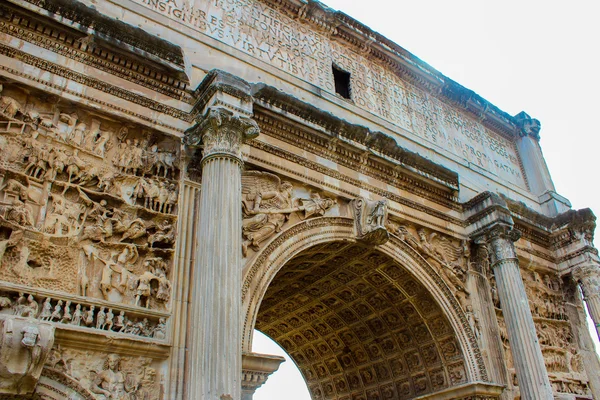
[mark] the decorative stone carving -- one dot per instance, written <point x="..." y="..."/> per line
<point x="369" y="220"/>
<point x="452" y="258"/>
<point x="98" y="317"/>
<point x="267" y="204"/>
<point x="222" y="132"/>
<point x="527" y="356"/>
<point x="108" y="376"/>
<point x="24" y="346"/>
<point x="589" y="278"/>
<point x="528" y="126"/>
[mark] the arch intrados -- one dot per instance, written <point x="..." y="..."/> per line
<point x="303" y="235"/>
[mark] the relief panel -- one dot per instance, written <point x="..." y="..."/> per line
<point x="88" y="211"/>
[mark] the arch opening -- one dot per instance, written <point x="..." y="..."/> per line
<point x="360" y="325"/>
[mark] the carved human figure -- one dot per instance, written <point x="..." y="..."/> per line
<point x="109" y="320"/>
<point x="19" y="213"/>
<point x="137" y="157"/>
<point x="78" y="135"/>
<point x="20" y="303"/>
<point x="376" y="218"/>
<point x="121" y="322"/>
<point x="31" y="336"/>
<point x="75" y="167"/>
<point x="88" y="318"/>
<point x="67" y="316"/>
<point x="46" y="313"/>
<point x="135" y="230"/>
<point x="103" y="228"/>
<point x="56" y="314"/>
<point x="110" y="266"/>
<point x="30" y="310"/>
<point x="101" y="319"/>
<point x="66" y="125"/>
<point x="160" y="330"/>
<point x="126" y="158"/>
<point x="473" y="321"/>
<point x="144" y="287"/>
<point x="263" y="205"/>
<point x="101" y="143"/>
<point x="9" y="106"/>
<point x="165" y="233"/>
<point x="111" y="382"/>
<point x="125" y="262"/>
<point x="77" y="315"/>
<point x="164" y="287"/>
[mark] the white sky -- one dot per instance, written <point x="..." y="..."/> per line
<point x="536" y="56"/>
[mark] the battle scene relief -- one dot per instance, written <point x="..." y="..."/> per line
<point x="88" y="209"/>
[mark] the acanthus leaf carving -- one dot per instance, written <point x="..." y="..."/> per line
<point x="221" y="132"/>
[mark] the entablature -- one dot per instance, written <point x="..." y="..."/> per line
<point x="83" y="34"/>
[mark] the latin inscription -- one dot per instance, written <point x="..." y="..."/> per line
<point x="295" y="48"/>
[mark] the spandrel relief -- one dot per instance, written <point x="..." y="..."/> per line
<point x="268" y="203"/>
<point x="449" y="255"/>
<point x="108" y="376"/>
<point x="88" y="204"/>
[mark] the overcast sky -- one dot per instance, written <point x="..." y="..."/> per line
<point x="535" y="56"/>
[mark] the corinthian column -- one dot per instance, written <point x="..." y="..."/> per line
<point x="588" y="277"/>
<point x="215" y="352"/>
<point x="527" y="354"/>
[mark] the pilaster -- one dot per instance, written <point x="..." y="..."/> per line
<point x="493" y="227"/>
<point x="214" y="365"/>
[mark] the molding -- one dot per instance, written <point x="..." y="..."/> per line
<point x="89" y="21"/>
<point x="47" y="34"/>
<point x="404" y="177"/>
<point x="92" y="83"/>
<point x="344" y="178"/>
<point x="374" y="141"/>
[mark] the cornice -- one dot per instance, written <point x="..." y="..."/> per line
<point x="89" y="81"/>
<point x="339" y="128"/>
<point x="61" y="38"/>
<point x="355" y="159"/>
<point x="91" y="22"/>
<point x="305" y="163"/>
<point x="341" y="27"/>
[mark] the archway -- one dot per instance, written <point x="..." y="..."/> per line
<point x="360" y="322"/>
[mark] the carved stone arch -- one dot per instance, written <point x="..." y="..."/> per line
<point x="262" y="270"/>
<point x="55" y="384"/>
<point x="400" y="251"/>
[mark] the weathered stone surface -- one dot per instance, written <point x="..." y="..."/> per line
<point x="147" y="228"/>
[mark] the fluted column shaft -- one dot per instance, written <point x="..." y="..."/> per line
<point x="588" y="277"/>
<point x="527" y="354"/>
<point x="215" y="352"/>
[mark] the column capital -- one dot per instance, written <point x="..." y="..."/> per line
<point x="588" y="276"/>
<point x="221" y="132"/>
<point x="499" y="239"/>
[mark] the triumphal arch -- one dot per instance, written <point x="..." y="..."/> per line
<point x="175" y="174"/>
